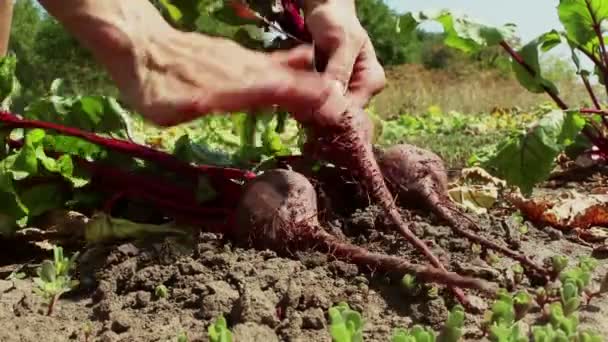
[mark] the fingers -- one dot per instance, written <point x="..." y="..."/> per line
<point x="294" y="90"/>
<point x="340" y="62"/>
<point x="369" y="78"/>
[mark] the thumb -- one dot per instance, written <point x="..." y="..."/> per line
<point x="340" y="65"/>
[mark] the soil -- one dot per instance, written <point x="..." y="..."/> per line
<point x="264" y="296"/>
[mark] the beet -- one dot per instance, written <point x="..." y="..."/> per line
<point x="418" y="176"/>
<point x="279" y="212"/>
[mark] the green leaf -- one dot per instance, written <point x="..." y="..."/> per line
<point x="579" y="18"/>
<point x="47" y="271"/>
<point x="10" y="87"/>
<point x="530" y="54"/>
<point x="422" y="335"/>
<point x="41" y="198"/>
<point x="100" y="114"/>
<point x="528" y="158"/>
<point x="346" y="325"/>
<point x="174" y="12"/>
<point x="218" y="331"/>
<point x="461" y="31"/>
<point x="26" y="163"/>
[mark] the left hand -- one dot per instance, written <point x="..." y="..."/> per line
<point x="351" y="58"/>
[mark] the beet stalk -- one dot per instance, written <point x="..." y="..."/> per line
<point x="135" y="150"/>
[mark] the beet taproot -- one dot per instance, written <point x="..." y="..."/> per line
<point x="279" y="211"/>
<point x="338" y="135"/>
<point x="419" y="176"/>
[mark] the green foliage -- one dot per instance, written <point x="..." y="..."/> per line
<point x="182" y="337"/>
<point x="559" y="263"/>
<point x="461" y="32"/>
<point x="23" y="203"/>
<point x="451" y="331"/>
<point x="9" y="85"/>
<point x="391" y="47"/>
<point x="415" y="334"/>
<point x="161" y="291"/>
<point x="345" y="324"/>
<point x="218" y="331"/>
<point x="530" y="53"/>
<point x="580" y="17"/>
<point x="528" y="157"/>
<point x="54" y="277"/>
<point x="409" y="284"/>
<point x="47" y="51"/>
<point x="562" y="316"/>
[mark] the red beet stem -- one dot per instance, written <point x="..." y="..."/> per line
<point x="163" y="194"/>
<point x="135" y="150"/>
<point x="293" y="21"/>
<point x="136" y="186"/>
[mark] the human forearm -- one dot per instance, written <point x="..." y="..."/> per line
<point x="118" y="33"/>
<point x="6" y="15"/>
<point x="310" y="5"/>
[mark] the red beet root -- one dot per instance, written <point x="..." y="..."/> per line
<point x="279" y="212"/>
<point x="416" y="175"/>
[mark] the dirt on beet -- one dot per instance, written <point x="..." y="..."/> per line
<point x="264" y="296"/>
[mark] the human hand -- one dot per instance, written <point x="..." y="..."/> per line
<point x="191" y="75"/>
<point x="351" y="59"/>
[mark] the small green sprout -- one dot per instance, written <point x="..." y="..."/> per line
<point x="501" y="323"/>
<point x="346" y="325"/>
<point x="416" y="334"/>
<point x="518" y="273"/>
<point x="218" y="331"/>
<point x="409" y="284"/>
<point x="559" y="263"/>
<point x="506" y="333"/>
<point x="522" y="303"/>
<point x="88" y="330"/>
<point x="588" y="264"/>
<point x="559" y="320"/>
<point x="452" y="330"/>
<point x="547" y="333"/>
<point x="182" y="337"/>
<point x="523" y="229"/>
<point x="54" y="278"/>
<point x="541" y="296"/>
<point x="492" y="258"/>
<point x="570" y="299"/>
<point x="433" y="292"/>
<point x="161" y="291"/>
<point x="502" y="310"/>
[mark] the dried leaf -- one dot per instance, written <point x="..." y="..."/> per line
<point x="571" y="210"/>
<point x="476" y="190"/>
<point x="478" y="199"/>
